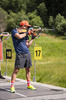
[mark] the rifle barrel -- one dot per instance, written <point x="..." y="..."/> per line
<point x="48" y="29"/>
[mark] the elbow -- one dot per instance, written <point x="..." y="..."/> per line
<point x="19" y="37"/>
<point x="27" y="44"/>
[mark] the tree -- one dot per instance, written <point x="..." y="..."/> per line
<point x="31" y="5"/>
<point x="51" y="21"/>
<point x="13" y="5"/>
<point x="56" y="6"/>
<point x="42" y="12"/>
<point x="60" y="24"/>
<point x="3" y="17"/>
<point x="14" y="19"/>
<point x="34" y="19"/>
<point x="64" y="27"/>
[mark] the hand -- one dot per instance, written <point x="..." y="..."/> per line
<point x="33" y="36"/>
<point x="22" y="30"/>
<point x="30" y="32"/>
<point x="39" y="29"/>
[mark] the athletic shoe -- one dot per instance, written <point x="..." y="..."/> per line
<point x="2" y="77"/>
<point x="31" y="87"/>
<point x="13" y="90"/>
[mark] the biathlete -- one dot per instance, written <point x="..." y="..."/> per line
<point x="23" y="56"/>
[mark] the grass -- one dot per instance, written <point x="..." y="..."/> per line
<point x="51" y="69"/>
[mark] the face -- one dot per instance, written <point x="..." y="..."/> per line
<point x="24" y="27"/>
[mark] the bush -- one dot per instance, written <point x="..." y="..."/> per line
<point x="59" y="24"/>
<point x="11" y="21"/>
<point x="51" y="21"/>
<point x="14" y="19"/>
<point x="34" y="19"/>
<point x="63" y="25"/>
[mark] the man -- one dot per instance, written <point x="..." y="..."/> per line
<point x="23" y="57"/>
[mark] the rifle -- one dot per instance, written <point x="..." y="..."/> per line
<point x="39" y="30"/>
<point x="34" y="31"/>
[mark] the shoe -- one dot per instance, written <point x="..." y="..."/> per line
<point x="13" y="90"/>
<point x="31" y="87"/>
<point x="2" y="77"/>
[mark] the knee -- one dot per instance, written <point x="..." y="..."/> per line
<point x="16" y="71"/>
<point x="28" y="69"/>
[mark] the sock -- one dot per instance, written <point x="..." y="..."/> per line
<point x="12" y="84"/>
<point x="28" y="82"/>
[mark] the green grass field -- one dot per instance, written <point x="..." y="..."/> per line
<point x="51" y="69"/>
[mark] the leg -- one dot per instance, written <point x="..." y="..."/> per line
<point x="0" y="73"/>
<point x="29" y="86"/>
<point x="28" y="73"/>
<point x="28" y="76"/>
<point x="13" y="78"/>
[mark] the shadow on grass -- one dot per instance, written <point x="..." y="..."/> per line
<point x="64" y="38"/>
<point x="54" y="34"/>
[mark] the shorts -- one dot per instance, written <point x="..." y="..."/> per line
<point x="23" y="60"/>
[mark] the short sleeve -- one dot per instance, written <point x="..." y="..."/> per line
<point x="14" y="31"/>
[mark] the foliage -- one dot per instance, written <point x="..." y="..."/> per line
<point x="13" y="5"/>
<point x="64" y="27"/>
<point x="42" y="12"/>
<point x="37" y="21"/>
<point x="51" y="21"/>
<point x="11" y="21"/>
<point x="22" y="9"/>
<point x="31" y="5"/>
<point x="60" y="24"/>
<point x="14" y="19"/>
<point x="3" y="17"/>
<point x="56" y="6"/>
<point x="32" y="15"/>
<point x="34" y="19"/>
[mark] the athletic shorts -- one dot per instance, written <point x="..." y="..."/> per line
<point x="23" y="60"/>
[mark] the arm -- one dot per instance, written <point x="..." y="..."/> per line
<point x="28" y="43"/>
<point x="20" y="36"/>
